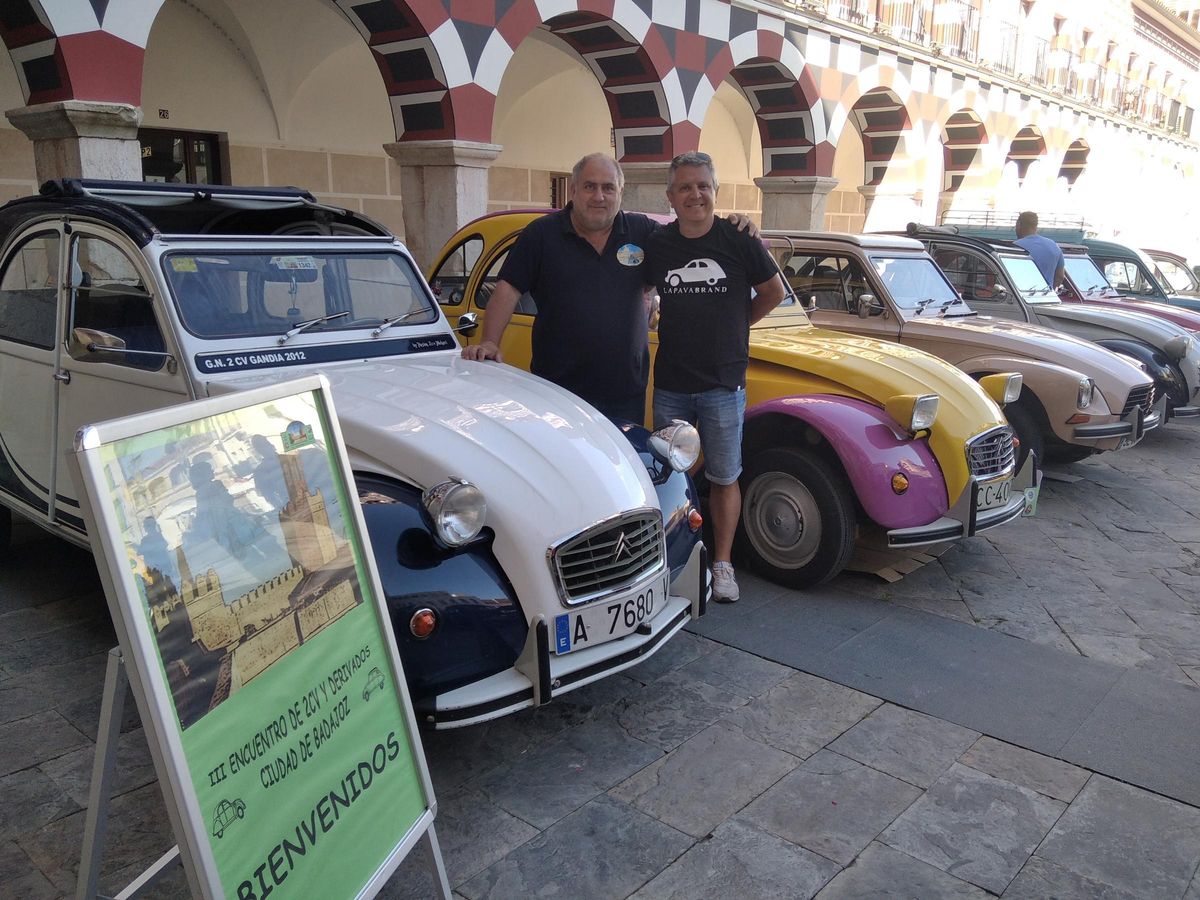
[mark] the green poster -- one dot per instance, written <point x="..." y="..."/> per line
<point x="243" y="545"/>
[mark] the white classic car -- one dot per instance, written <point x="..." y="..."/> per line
<point x="527" y="546"/>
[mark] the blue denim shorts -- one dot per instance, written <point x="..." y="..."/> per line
<point x="717" y="415"/>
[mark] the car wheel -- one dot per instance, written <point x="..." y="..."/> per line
<point x="1029" y="432"/>
<point x="798" y="520"/>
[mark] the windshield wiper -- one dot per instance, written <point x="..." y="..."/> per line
<point x="388" y="323"/>
<point x="949" y="303"/>
<point x="296" y="329"/>
<point x="921" y="304"/>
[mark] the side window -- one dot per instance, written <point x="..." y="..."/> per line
<point x="450" y="280"/>
<point x="1120" y="275"/>
<point x="817" y="281"/>
<point x="526" y="305"/>
<point x="109" y="297"/>
<point x="29" y="292"/>
<point x="976" y="278"/>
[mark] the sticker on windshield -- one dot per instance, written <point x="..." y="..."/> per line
<point x="293" y="262"/>
<point x="630" y="255"/>
<point x="183" y="264"/>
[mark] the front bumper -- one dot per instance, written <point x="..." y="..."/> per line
<point x="964" y="520"/>
<point x="539" y="675"/>
<point x="1126" y="431"/>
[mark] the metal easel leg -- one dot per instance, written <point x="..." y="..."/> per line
<point x="112" y="707"/>
<point x="437" y="867"/>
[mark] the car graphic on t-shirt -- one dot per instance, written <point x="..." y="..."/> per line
<point x="705" y="270"/>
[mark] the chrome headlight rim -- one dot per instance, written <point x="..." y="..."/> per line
<point x="1086" y="393"/>
<point x="677" y="445"/>
<point x="1012" y="388"/>
<point x="1179" y="346"/>
<point x="924" y="412"/>
<point x="457" y="510"/>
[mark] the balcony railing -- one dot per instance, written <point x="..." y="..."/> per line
<point x="858" y="12"/>
<point x="1041" y="53"/>
<point x="908" y="21"/>
<point x="1005" y="48"/>
<point x="956" y="28"/>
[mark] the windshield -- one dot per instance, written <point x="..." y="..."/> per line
<point x="1087" y="276"/>
<point x="918" y="286"/>
<point x="268" y="293"/>
<point x="1028" y="279"/>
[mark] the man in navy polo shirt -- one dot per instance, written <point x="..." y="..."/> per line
<point x="583" y="266"/>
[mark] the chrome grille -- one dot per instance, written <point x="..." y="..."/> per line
<point x="991" y="453"/>
<point x="608" y="557"/>
<point x="1139" y="396"/>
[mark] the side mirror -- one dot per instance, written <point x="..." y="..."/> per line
<point x="811" y="306"/>
<point x="868" y="305"/>
<point x="468" y="323"/>
<point x="1000" y="292"/>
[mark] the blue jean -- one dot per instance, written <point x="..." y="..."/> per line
<point x="717" y="415"/>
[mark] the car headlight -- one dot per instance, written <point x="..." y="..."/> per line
<point x="678" y="445"/>
<point x="1179" y="346"/>
<point x="457" y="509"/>
<point x="1004" y="387"/>
<point x="916" y="412"/>
<point x="1087" y="390"/>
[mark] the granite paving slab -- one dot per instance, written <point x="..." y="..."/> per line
<point x="680" y="650"/>
<point x="20" y="878"/>
<point x="606" y="849"/>
<point x="133" y="768"/>
<point x="35" y="621"/>
<point x="475" y="833"/>
<point x="668" y="711"/>
<point x="63" y="644"/>
<point x="1043" y="774"/>
<point x="909" y="745"/>
<point x="735" y="670"/>
<point x="802" y="714"/>
<point x="1040" y="879"/>
<point x="740" y="860"/>
<point x="705" y="780"/>
<point x="980" y="828"/>
<point x="26" y="581"/>
<point x="1179" y="633"/>
<point x="1127" y="838"/>
<point x="31" y="799"/>
<point x="18" y="699"/>
<point x="35" y="739"/>
<point x="1131" y="652"/>
<point x="831" y="805"/>
<point x="1145" y="731"/>
<point x="555" y="779"/>
<point x="882" y="873"/>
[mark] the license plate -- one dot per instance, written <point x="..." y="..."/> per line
<point x="607" y="620"/>
<point x="993" y="494"/>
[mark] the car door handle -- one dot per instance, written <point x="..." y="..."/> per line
<point x="64" y="377"/>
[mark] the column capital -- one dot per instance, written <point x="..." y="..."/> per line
<point x="472" y="154"/>
<point x="815" y="185"/>
<point x="652" y="173"/>
<point x="76" y="119"/>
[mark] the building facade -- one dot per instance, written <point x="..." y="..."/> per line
<point x="842" y="114"/>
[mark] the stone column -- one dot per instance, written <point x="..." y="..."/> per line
<point x="443" y="186"/>
<point x="795" y="202"/>
<point x="82" y="139"/>
<point x="646" y="188"/>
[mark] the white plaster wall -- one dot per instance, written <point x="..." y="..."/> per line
<point x="730" y="136"/>
<point x="341" y="105"/>
<point x="550" y="110"/>
<point x="849" y="161"/>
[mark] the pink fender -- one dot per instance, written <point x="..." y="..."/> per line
<point x="871" y="447"/>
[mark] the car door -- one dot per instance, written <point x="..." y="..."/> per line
<point x="29" y="278"/>
<point x="831" y="285"/>
<point x="980" y="281"/>
<point x="111" y="302"/>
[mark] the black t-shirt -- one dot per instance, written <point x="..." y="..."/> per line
<point x="704" y="314"/>
<point x="590" y="333"/>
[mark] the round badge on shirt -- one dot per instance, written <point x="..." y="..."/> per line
<point x="630" y="255"/>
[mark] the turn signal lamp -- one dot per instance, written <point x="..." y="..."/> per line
<point x="899" y="483"/>
<point x="915" y="412"/>
<point x="1003" y="388"/>
<point x="695" y="520"/>
<point x="422" y="623"/>
<point x="1079" y="419"/>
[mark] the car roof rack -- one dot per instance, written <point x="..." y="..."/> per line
<point x="152" y="193"/>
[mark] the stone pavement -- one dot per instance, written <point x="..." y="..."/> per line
<point x="1018" y="718"/>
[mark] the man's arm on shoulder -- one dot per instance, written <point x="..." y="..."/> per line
<point x="499" y="310"/>
<point x="743" y="223"/>
<point x="767" y="296"/>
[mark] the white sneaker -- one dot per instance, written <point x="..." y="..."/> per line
<point x="724" y="584"/>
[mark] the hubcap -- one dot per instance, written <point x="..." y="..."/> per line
<point x="782" y="520"/>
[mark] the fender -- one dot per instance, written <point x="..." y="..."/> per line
<point x="481" y="627"/>
<point x="1153" y="359"/>
<point x="869" y="447"/>
<point x="677" y="497"/>
<point x="1038" y="376"/>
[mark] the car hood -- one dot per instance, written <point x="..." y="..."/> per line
<point x="877" y="370"/>
<point x="546" y="462"/>
<point x="989" y="335"/>
<point x="1138" y="324"/>
<point x="1180" y="315"/>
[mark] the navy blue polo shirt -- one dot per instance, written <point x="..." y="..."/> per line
<point x="590" y="333"/>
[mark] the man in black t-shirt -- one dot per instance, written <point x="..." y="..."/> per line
<point x="713" y="283"/>
<point x="583" y="267"/>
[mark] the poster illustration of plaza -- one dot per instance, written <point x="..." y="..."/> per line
<point x="238" y="541"/>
